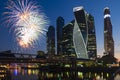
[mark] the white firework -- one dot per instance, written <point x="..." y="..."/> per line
<point x="27" y="21"/>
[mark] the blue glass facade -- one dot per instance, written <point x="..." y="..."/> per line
<point x="51" y="40"/>
<point x="80" y="33"/>
<point x="79" y="38"/>
<point x="60" y="24"/>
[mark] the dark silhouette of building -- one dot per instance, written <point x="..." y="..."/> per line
<point x="67" y="40"/>
<point x="41" y="54"/>
<point x="91" y="45"/>
<point x="80" y="33"/>
<point x="6" y="54"/>
<point x="51" y="41"/>
<point x="60" y="24"/>
<point x="108" y="39"/>
<point x="107" y="59"/>
<point x="79" y="36"/>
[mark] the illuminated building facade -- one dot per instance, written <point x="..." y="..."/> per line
<point x="91" y="45"/>
<point x="80" y="33"/>
<point x="51" y="40"/>
<point x="60" y="24"/>
<point x="108" y="39"/>
<point x="79" y="36"/>
<point x="67" y="39"/>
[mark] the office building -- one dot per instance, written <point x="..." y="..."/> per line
<point x="60" y="24"/>
<point x="108" y="38"/>
<point x="51" y="40"/>
<point x="79" y="38"/>
<point x="91" y="45"/>
<point x="67" y="40"/>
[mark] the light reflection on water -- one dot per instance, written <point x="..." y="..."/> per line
<point x="35" y="74"/>
<point x="24" y="74"/>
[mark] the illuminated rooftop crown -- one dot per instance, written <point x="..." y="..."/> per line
<point x="78" y="8"/>
<point x="106" y="12"/>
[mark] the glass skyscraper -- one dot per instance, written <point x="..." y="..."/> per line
<point x="91" y="45"/>
<point x="60" y="24"/>
<point x="67" y="39"/>
<point x="108" y="39"/>
<point x="79" y="35"/>
<point x="51" y="40"/>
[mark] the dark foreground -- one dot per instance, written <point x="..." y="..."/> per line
<point x="56" y="73"/>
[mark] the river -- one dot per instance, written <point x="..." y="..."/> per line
<point x="36" y="74"/>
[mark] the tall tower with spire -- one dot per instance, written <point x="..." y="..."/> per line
<point x="108" y="38"/>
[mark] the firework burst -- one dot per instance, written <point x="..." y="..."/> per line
<point x="27" y="21"/>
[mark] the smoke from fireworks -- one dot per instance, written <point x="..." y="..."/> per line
<point x="27" y="21"/>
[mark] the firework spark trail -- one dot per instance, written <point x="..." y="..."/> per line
<point x="27" y="21"/>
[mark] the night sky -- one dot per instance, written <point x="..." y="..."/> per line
<point x="64" y="8"/>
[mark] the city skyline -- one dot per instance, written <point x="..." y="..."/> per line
<point x="54" y="9"/>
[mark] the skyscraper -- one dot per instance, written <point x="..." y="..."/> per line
<point x="67" y="39"/>
<point x="91" y="45"/>
<point x="108" y="39"/>
<point x="60" y="24"/>
<point x="80" y="32"/>
<point x="79" y="36"/>
<point x="51" y="40"/>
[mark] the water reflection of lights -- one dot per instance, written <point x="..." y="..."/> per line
<point x="97" y="77"/>
<point x="35" y="72"/>
<point x="80" y="75"/>
<point x="23" y="73"/>
<point x="95" y="74"/>
<point x="4" y="65"/>
<point x="49" y="75"/>
<point x="89" y="74"/>
<point x="67" y="74"/>
<point x="15" y="72"/>
<point x="29" y="72"/>
<point x="107" y="75"/>
<point x="3" y="73"/>
<point x="1" y="76"/>
<point x="117" y="77"/>
<point x="32" y="72"/>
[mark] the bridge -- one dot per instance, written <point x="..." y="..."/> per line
<point x="21" y="60"/>
<point x="40" y="60"/>
<point x="8" y="57"/>
<point x="18" y="55"/>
